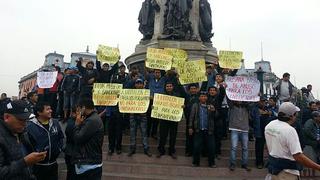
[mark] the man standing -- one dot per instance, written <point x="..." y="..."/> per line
<point x="310" y="95"/>
<point x="32" y="99"/>
<point x="4" y="100"/>
<point x="138" y="121"/>
<point x="45" y="134"/>
<point x="14" y="163"/>
<point x="284" y="146"/>
<point x="284" y="88"/>
<point x="201" y="124"/>
<point x="88" y="138"/>
<point x="311" y="134"/>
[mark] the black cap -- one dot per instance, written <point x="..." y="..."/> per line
<point x="139" y="81"/>
<point x="203" y="93"/>
<point x="19" y="109"/>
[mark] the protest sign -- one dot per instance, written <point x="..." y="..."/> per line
<point x="134" y="100"/>
<point x="179" y="56"/>
<point x="192" y="72"/>
<point x="167" y="107"/>
<point x="108" y="54"/>
<point x="46" y="79"/>
<point x="158" y="59"/>
<point x="230" y="59"/>
<point x="106" y="94"/>
<point x="243" y="88"/>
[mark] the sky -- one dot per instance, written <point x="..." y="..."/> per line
<point x="288" y="30"/>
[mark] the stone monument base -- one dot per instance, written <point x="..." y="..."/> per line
<point x="195" y="49"/>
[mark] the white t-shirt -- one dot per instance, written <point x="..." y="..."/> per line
<point x="282" y="141"/>
<point x="284" y="91"/>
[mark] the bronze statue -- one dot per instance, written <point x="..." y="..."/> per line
<point x="146" y="18"/>
<point x="205" y="25"/>
<point x="176" y="20"/>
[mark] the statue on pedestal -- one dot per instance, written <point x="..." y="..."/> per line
<point x="205" y="25"/>
<point x="176" y="20"/>
<point x="146" y="18"/>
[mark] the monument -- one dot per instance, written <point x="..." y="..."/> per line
<point x="182" y="24"/>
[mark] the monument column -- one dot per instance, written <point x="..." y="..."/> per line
<point x="195" y="20"/>
<point x="159" y="20"/>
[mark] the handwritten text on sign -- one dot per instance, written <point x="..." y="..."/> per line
<point x="230" y="59"/>
<point x="134" y="100"/>
<point x="243" y="88"/>
<point x="158" y="59"/>
<point x="106" y="94"/>
<point x="46" y="79"/>
<point x="192" y="72"/>
<point x="167" y="107"/>
<point x="108" y="54"/>
<point x="179" y="56"/>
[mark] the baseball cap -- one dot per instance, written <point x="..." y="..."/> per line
<point x="315" y="113"/>
<point x="288" y="108"/>
<point x="139" y="81"/>
<point x="19" y="109"/>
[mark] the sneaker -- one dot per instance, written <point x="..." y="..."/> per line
<point x="212" y="166"/>
<point x="159" y="155"/>
<point x="110" y="152"/>
<point x="195" y="165"/>
<point x="245" y="167"/>
<point x="232" y="167"/>
<point x="147" y="153"/>
<point x="260" y="166"/>
<point x="154" y="137"/>
<point x="173" y="155"/>
<point x="131" y="153"/>
<point x="119" y="152"/>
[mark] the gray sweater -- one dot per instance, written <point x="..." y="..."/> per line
<point x="238" y="116"/>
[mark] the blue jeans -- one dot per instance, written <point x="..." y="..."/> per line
<point x="235" y="137"/>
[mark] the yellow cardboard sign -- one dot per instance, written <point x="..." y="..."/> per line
<point x="108" y="54"/>
<point x="158" y="59"/>
<point x="106" y="94"/>
<point x="134" y="100"/>
<point x="179" y="56"/>
<point x="167" y="107"/>
<point x="230" y="59"/>
<point x="192" y="72"/>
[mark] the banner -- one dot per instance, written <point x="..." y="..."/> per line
<point x="192" y="72"/>
<point x="230" y="59"/>
<point x="243" y="88"/>
<point x="179" y="56"/>
<point x="167" y="107"/>
<point x="108" y="54"/>
<point x="158" y="59"/>
<point x="134" y="100"/>
<point x="106" y="94"/>
<point x="46" y="79"/>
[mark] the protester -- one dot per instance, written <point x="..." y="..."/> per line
<point x="88" y="138"/>
<point x="115" y="123"/>
<point x="53" y="91"/>
<point x="192" y="98"/>
<point x="215" y="98"/>
<point x="70" y="145"/>
<point x="155" y="82"/>
<point x="70" y="87"/>
<point x="311" y="135"/>
<point x="104" y="73"/>
<point x="201" y="125"/>
<point x="169" y="127"/>
<point x="310" y="95"/>
<point x="89" y="77"/>
<point x="133" y="76"/>
<point x="284" y="88"/>
<point x="239" y="127"/>
<point x="14" y="163"/>
<point x="45" y="135"/>
<point x="4" y="100"/>
<point x="139" y="121"/>
<point x="284" y="146"/>
<point x="32" y="99"/>
<point x="307" y="113"/>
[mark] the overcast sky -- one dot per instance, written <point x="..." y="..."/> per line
<point x="289" y="30"/>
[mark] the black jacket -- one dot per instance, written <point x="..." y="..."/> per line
<point x="88" y="139"/>
<point x="12" y="164"/>
<point x="87" y="74"/>
<point x="71" y="83"/>
<point x="105" y="76"/>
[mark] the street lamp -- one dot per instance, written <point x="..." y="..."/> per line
<point x="260" y="73"/>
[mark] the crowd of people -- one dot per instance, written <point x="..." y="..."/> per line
<point x="31" y="137"/>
